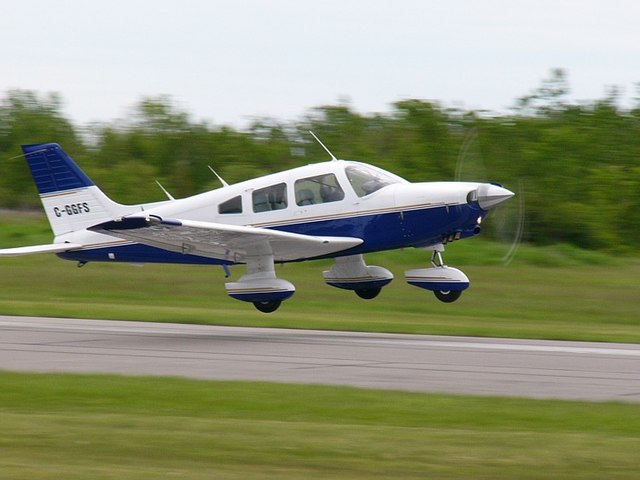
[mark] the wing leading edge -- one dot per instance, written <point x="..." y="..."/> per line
<point x="222" y="241"/>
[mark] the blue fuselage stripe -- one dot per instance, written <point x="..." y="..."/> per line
<point x="380" y="231"/>
<point x="138" y="253"/>
<point x="389" y="231"/>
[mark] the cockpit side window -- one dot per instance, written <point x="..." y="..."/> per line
<point x="365" y="180"/>
<point x="270" y="198"/>
<point x="318" y="189"/>
<point x="233" y="205"/>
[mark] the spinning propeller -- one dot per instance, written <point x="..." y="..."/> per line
<point x="507" y="221"/>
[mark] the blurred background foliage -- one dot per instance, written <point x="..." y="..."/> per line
<point x="578" y="163"/>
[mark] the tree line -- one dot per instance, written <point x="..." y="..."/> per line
<point x="577" y="165"/>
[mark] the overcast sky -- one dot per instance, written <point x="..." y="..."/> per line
<point x="230" y="61"/>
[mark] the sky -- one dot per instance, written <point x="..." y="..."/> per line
<point x="230" y="62"/>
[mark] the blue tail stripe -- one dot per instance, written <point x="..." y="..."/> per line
<point x="53" y="170"/>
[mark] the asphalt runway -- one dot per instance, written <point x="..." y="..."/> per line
<point x="423" y="363"/>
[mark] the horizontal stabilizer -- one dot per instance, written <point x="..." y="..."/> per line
<point x="49" y="248"/>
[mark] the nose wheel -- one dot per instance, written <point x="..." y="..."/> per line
<point x="446" y="283"/>
<point x="447" y="296"/>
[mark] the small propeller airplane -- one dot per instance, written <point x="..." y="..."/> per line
<point x="335" y="209"/>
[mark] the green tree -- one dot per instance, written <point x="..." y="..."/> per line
<point x="579" y="163"/>
<point x="26" y="118"/>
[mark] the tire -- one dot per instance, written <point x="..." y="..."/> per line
<point x="267" y="307"/>
<point x="369" y="293"/>
<point x="447" y="296"/>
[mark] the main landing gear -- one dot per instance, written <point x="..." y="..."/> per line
<point x="368" y="293"/>
<point x="352" y="273"/>
<point x="260" y="285"/>
<point x="267" y="306"/>
<point x="447" y="283"/>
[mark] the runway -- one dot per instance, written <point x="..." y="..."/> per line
<point x="421" y="363"/>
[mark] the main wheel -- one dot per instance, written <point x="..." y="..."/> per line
<point x="447" y="296"/>
<point x="267" y="307"/>
<point x="369" y="293"/>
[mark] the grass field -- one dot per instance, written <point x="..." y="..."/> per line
<point x="557" y="292"/>
<point x="102" y="427"/>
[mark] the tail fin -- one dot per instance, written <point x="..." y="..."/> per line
<point x="70" y="199"/>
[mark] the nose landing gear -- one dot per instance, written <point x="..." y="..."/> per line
<point x="447" y="296"/>
<point x="447" y="283"/>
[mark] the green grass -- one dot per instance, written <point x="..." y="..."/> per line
<point x="100" y="427"/>
<point x="557" y="292"/>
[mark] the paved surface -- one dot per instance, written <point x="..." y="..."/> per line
<point x="487" y="366"/>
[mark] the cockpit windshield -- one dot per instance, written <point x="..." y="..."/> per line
<point x="366" y="180"/>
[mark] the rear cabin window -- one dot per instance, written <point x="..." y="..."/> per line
<point x="233" y="205"/>
<point x="318" y="189"/>
<point x="270" y="198"/>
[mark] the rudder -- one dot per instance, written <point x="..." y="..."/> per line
<point x="53" y="170"/>
<point x="70" y="199"/>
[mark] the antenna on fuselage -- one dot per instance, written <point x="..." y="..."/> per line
<point x="224" y="184"/>
<point x="169" y="196"/>
<point x="333" y="157"/>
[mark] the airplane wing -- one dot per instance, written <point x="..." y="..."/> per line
<point x="49" y="248"/>
<point x="223" y="241"/>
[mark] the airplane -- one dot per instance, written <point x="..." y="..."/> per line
<point x="336" y="209"/>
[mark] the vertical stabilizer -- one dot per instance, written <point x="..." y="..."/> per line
<point x="70" y="199"/>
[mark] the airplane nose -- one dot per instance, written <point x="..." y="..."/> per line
<point x="490" y="196"/>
